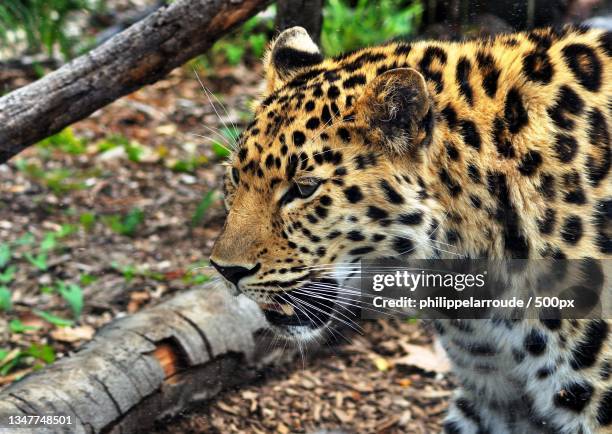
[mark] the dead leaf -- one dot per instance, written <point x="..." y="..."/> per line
<point x="166" y="130"/>
<point x="228" y="409"/>
<point x="137" y="299"/>
<point x="405" y="382"/>
<point x="425" y="358"/>
<point x="342" y="416"/>
<point x="73" y="334"/>
<point x="381" y="363"/>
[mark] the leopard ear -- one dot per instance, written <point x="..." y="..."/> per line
<point x="396" y="110"/>
<point x="290" y="52"/>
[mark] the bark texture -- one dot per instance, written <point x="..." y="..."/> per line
<point x="140" y="55"/>
<point x="148" y="366"/>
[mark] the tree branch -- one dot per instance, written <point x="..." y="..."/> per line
<point x="140" y="55"/>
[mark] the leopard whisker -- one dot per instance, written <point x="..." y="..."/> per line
<point x="212" y="140"/>
<point x="211" y="102"/>
<point x="303" y="302"/>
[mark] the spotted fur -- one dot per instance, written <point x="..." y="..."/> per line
<point x="493" y="148"/>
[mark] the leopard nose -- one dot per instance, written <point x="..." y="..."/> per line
<point x="235" y="273"/>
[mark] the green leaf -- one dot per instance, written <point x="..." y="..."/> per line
<point x="53" y="319"/>
<point x="3" y="354"/>
<point x="87" y="279"/>
<point x="46" y="289"/>
<point x="39" y="261"/>
<point x="5" y="298"/>
<point x="230" y="133"/>
<point x="46" y="353"/>
<point x="25" y="240"/>
<point x="8" y="366"/>
<point x="134" y="151"/>
<point x="8" y="274"/>
<point x="16" y="326"/>
<point x="5" y="254"/>
<point x="258" y="42"/>
<point x="125" y="225"/>
<point x="196" y="279"/>
<point x="87" y="220"/>
<point x="220" y="150"/>
<point x="234" y="54"/>
<point x="129" y="272"/>
<point x="73" y="294"/>
<point x="48" y="243"/>
<point x="65" y="230"/>
<point x="64" y="141"/>
<point x="133" y="219"/>
<point x="202" y="207"/>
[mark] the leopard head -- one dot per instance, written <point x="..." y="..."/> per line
<point x="326" y="175"/>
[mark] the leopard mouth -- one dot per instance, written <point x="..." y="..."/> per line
<point x="299" y="308"/>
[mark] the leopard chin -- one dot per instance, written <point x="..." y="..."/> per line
<point x="309" y="316"/>
<point x="301" y="333"/>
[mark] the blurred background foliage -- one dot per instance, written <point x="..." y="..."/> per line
<point x="63" y="29"/>
<point x="347" y="27"/>
<point x="43" y="26"/>
<point x="47" y="33"/>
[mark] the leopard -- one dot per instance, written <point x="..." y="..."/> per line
<point x="494" y="147"/>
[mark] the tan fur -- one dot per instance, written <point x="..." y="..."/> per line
<point x="483" y="166"/>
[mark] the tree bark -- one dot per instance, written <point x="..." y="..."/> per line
<point x="304" y="13"/>
<point x="140" y="55"/>
<point x="148" y="366"/>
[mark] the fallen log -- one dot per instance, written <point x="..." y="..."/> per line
<point x="140" y="55"/>
<point x="148" y="366"/>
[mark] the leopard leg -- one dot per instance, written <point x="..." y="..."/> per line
<point x="468" y="415"/>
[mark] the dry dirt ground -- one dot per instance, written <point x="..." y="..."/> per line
<point x="63" y="217"/>
<point x="388" y="380"/>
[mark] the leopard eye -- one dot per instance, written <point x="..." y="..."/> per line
<point x="307" y="187"/>
<point x="301" y="189"/>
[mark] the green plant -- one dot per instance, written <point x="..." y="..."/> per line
<point x="5" y="254"/>
<point x="5" y="298"/>
<point x="220" y="150"/>
<point x="9" y="360"/>
<point x="64" y="141"/>
<point x="189" y="165"/>
<point x="128" y="271"/>
<point x="25" y="240"/>
<point x="48" y="243"/>
<point x="53" y="319"/>
<point x="41" y="24"/>
<point x="249" y="40"/>
<point x="59" y="180"/>
<point x="111" y="142"/>
<point x="347" y="28"/>
<point x="193" y="278"/>
<point x="87" y="220"/>
<point x="125" y="225"/>
<point x="87" y="279"/>
<point x="8" y="274"/>
<point x="41" y="352"/>
<point x="39" y="260"/>
<point x="73" y="294"/>
<point x="134" y="151"/>
<point x="202" y="207"/>
<point x="16" y="326"/>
